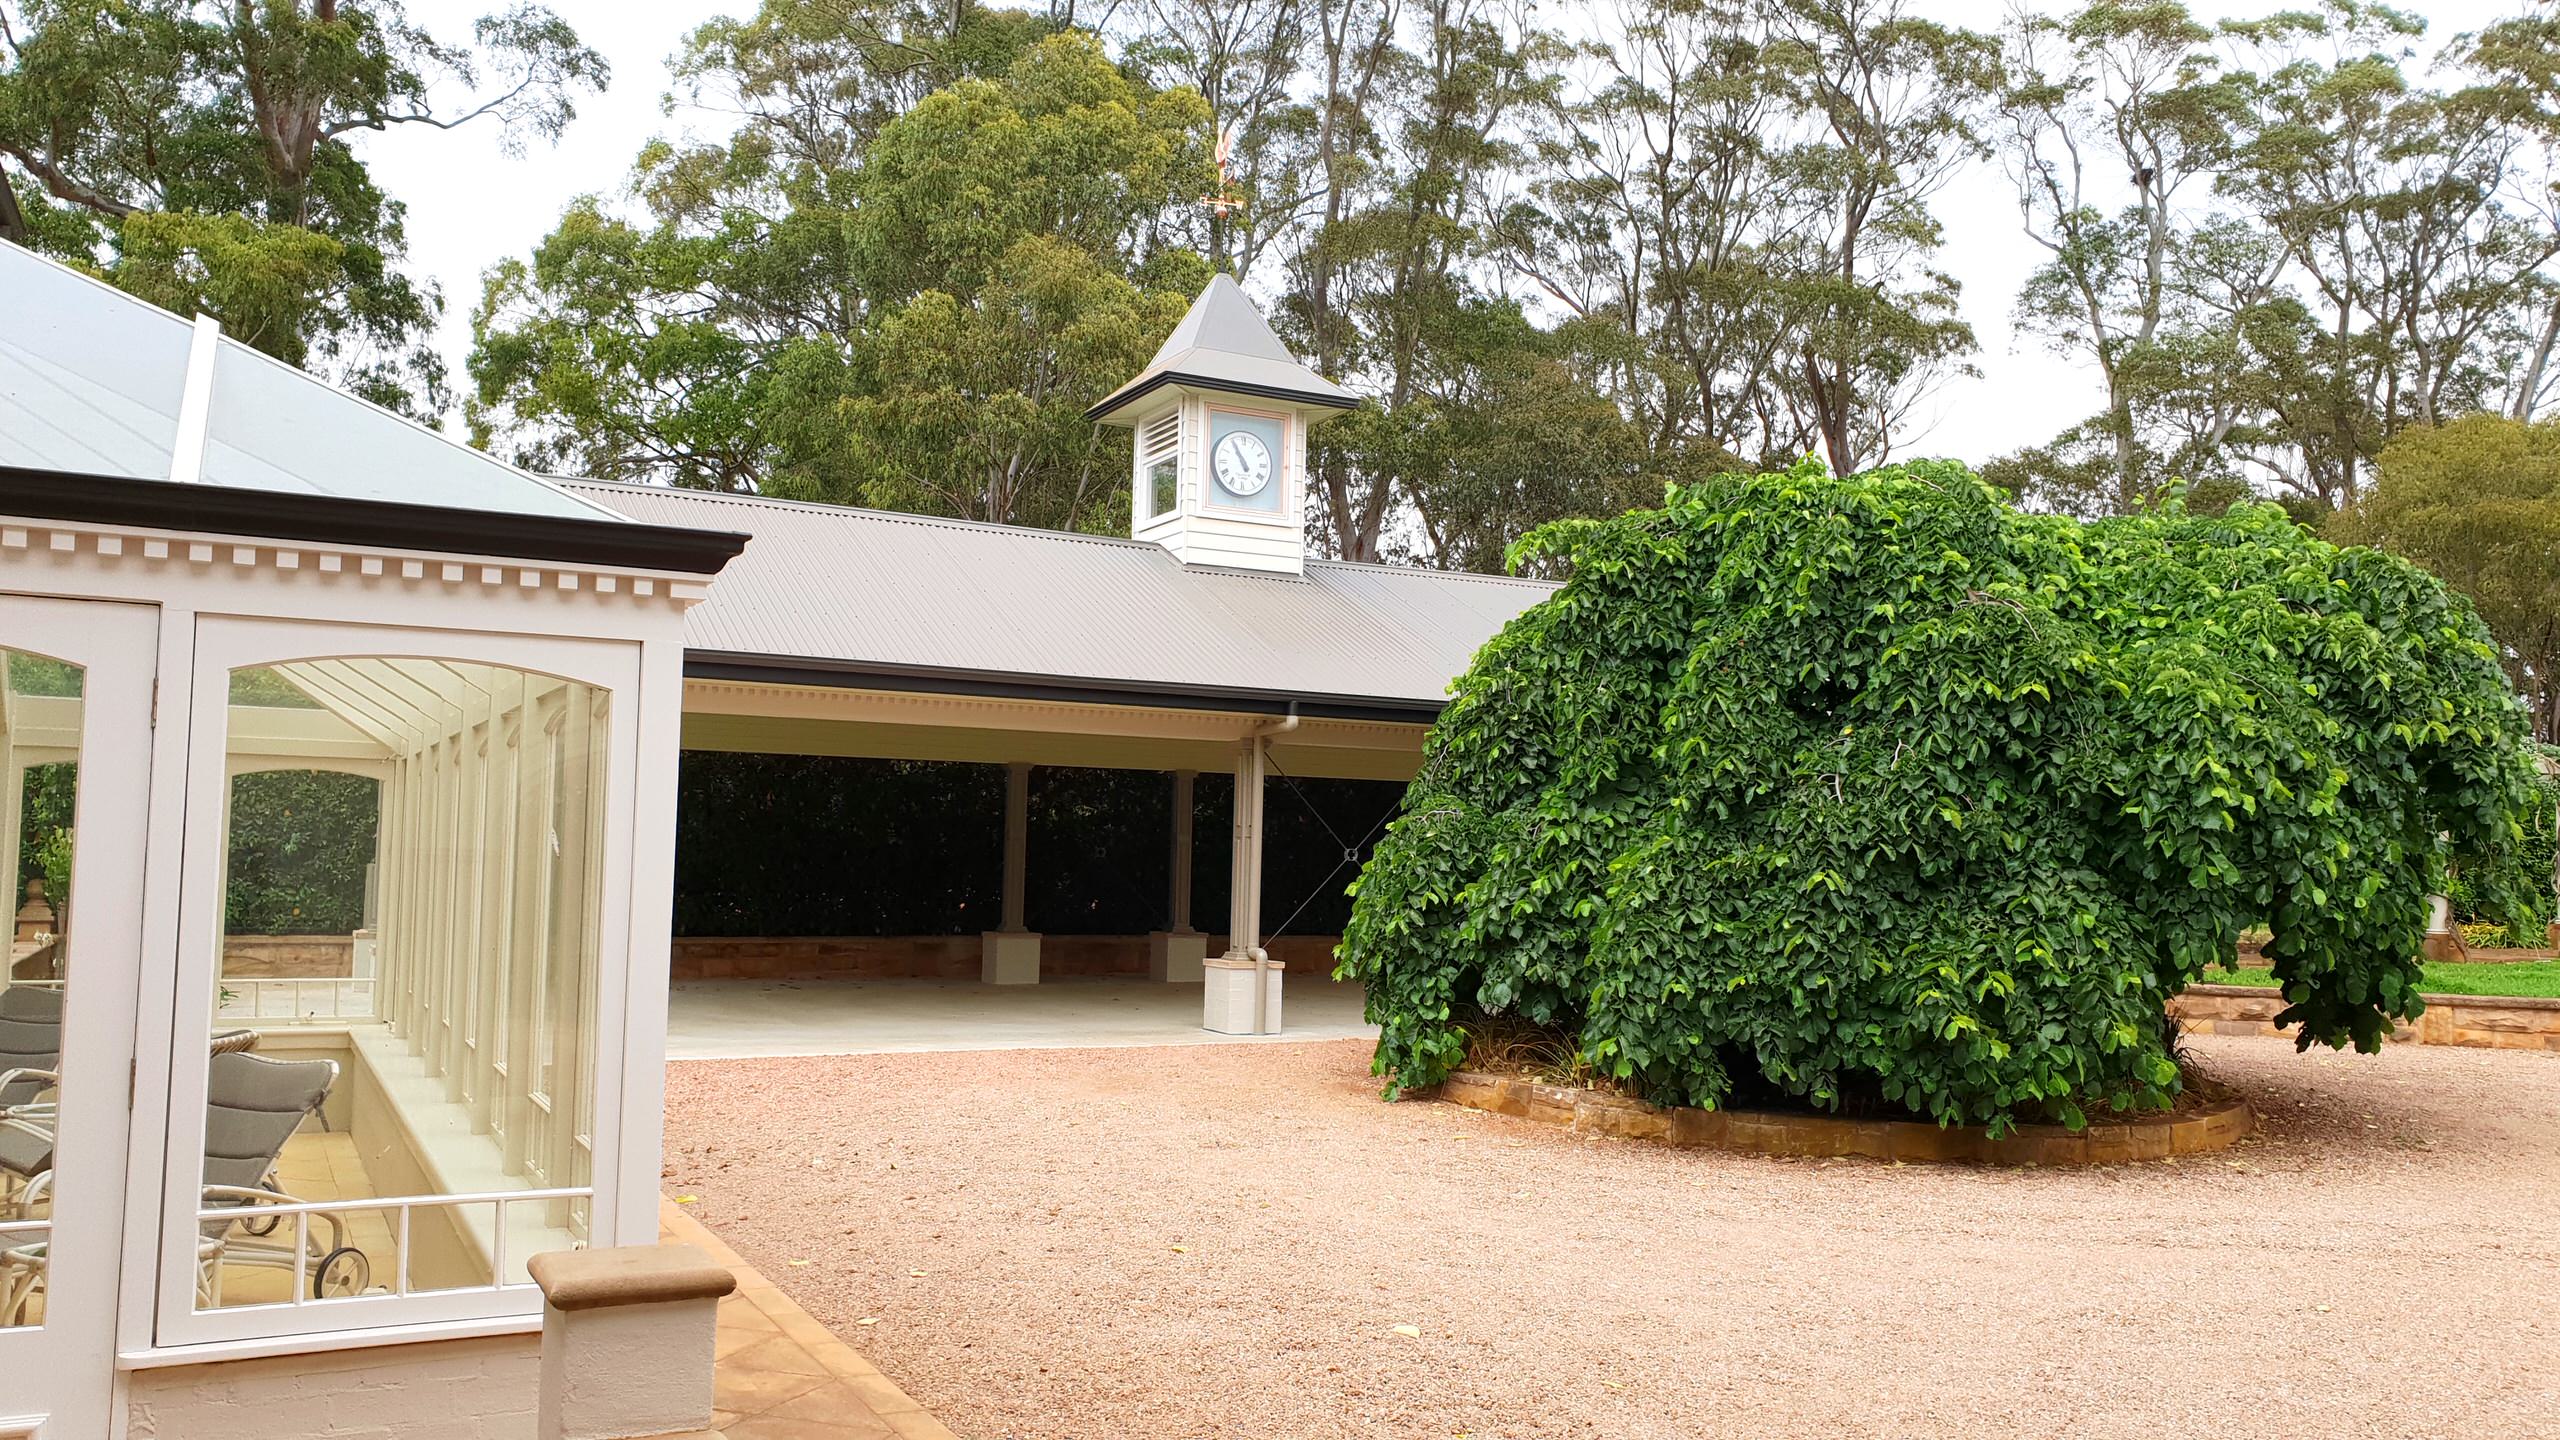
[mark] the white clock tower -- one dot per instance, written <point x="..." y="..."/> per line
<point x="1222" y="415"/>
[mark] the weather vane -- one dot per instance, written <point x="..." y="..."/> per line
<point x="1226" y="200"/>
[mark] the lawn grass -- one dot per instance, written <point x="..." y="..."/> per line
<point x="2539" y="978"/>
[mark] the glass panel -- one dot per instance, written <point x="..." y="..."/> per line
<point x="1164" y="485"/>
<point x="39" y="767"/>
<point x="273" y="427"/>
<point x="89" y="379"/>
<point x="296" y="944"/>
<point x="438" y="825"/>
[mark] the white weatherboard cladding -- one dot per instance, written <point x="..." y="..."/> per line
<point x="1266" y="533"/>
<point x="862" y="587"/>
<point x="1231" y="374"/>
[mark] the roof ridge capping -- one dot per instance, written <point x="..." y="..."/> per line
<point x="688" y="495"/>
<point x="575" y="483"/>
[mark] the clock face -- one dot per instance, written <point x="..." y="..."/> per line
<point x="1242" y="464"/>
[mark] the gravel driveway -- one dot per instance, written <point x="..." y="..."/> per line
<point x="1222" y="1241"/>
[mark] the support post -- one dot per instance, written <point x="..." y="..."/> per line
<point x="2444" y="938"/>
<point x="1010" y="953"/>
<point x="1242" y="994"/>
<point x="1175" y="953"/>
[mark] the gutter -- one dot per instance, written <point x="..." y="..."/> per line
<point x="1121" y="399"/>
<point x="72" y="496"/>
<point x="1076" y="690"/>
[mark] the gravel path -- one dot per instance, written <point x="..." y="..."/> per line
<point x="1168" y="1243"/>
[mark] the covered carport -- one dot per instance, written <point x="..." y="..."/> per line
<point x="884" y="637"/>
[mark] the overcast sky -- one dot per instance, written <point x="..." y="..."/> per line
<point x="470" y="205"/>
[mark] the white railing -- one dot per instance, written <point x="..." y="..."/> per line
<point x="299" y="1254"/>
<point x="295" y="999"/>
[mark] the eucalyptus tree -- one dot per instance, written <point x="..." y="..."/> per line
<point x="2135" y="102"/>
<point x="1013" y="234"/>
<point x="1732" y="207"/>
<point x="1894" y="104"/>
<point x="2519" y="60"/>
<point x="200" y="154"/>
<point x="1247" y="61"/>
<point x="841" y="299"/>
<point x="697" y="328"/>
<point x="2275" y="245"/>
<point x="1658" y="222"/>
<point x="2391" y="201"/>
<point x="1392" y="273"/>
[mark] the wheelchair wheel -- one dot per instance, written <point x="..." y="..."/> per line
<point x="340" y="1273"/>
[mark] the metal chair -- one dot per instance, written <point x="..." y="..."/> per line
<point x="30" y="1067"/>
<point x="252" y="1107"/>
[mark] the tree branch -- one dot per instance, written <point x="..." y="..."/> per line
<point x="62" y="187"/>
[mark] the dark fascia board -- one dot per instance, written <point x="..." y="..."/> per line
<point x="337" y="520"/>
<point x="1123" y="399"/>
<point x="931" y="680"/>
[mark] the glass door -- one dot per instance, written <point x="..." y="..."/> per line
<point x="75" y="765"/>
<point x="397" y="1067"/>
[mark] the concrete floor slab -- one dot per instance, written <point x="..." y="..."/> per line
<point x="741" y="1019"/>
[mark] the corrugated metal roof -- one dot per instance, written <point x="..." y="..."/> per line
<point x="833" y="587"/>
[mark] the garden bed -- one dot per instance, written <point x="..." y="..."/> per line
<point x="2491" y="1022"/>
<point x="2213" y="1124"/>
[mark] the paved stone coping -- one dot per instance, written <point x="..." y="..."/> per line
<point x="2495" y="1022"/>
<point x="2148" y="1136"/>
<point x="2503" y="1002"/>
<point x="629" y="1275"/>
<point x="780" y="1375"/>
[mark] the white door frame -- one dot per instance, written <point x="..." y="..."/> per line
<point x="223" y="643"/>
<point x="57" y="1381"/>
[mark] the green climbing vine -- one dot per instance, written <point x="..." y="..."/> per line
<point x="1878" y="789"/>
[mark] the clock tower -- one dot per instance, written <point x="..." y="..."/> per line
<point x="1221" y="415"/>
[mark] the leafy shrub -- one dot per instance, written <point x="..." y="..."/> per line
<point x="2513" y="889"/>
<point x="1877" y="789"/>
<point x="2484" y="937"/>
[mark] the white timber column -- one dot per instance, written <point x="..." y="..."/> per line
<point x="1010" y="954"/>
<point x="1241" y="995"/>
<point x="2444" y="938"/>
<point x="1175" y="953"/>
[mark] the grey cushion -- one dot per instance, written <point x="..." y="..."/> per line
<point x="30" y="1037"/>
<point x="252" y="1106"/>
<point x="26" y="1148"/>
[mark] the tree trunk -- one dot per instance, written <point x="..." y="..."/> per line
<point x="13" y="224"/>
<point x="2538" y="365"/>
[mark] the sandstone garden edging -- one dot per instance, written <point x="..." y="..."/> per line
<point x="2492" y="1022"/>
<point x="2105" y="1142"/>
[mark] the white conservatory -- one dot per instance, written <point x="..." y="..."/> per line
<point x="228" y="591"/>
